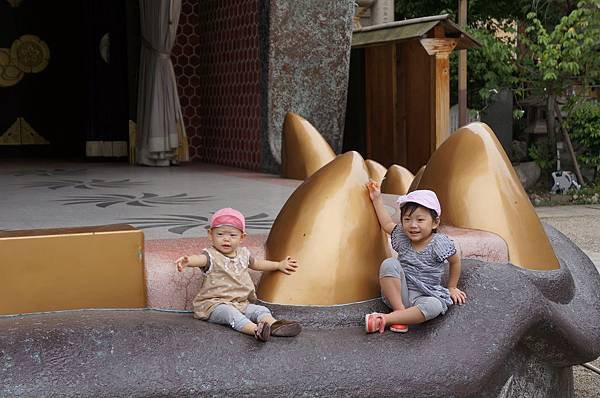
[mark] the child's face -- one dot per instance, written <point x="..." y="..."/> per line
<point x="226" y="239"/>
<point x="419" y="224"/>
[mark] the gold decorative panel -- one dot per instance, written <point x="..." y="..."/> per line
<point x="30" y="54"/>
<point x="72" y="268"/>
<point x="9" y="73"/>
<point x="27" y="54"/>
<point x="21" y="133"/>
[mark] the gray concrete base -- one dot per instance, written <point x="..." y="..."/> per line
<point x="518" y="335"/>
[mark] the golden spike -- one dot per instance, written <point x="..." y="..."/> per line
<point x="397" y="180"/>
<point x="303" y="149"/>
<point x="415" y="182"/>
<point x="479" y="189"/>
<point x="330" y="226"/>
<point x="376" y="171"/>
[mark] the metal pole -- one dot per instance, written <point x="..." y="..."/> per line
<point x="462" y="68"/>
<point x="569" y="144"/>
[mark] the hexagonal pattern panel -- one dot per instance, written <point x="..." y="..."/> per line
<point x="217" y="65"/>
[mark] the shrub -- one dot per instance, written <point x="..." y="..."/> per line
<point x="584" y="124"/>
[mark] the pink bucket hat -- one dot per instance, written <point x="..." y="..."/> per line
<point x="228" y="216"/>
<point x="423" y="197"/>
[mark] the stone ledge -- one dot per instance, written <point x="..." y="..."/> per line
<point x="518" y="335"/>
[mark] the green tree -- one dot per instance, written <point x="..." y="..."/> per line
<point x="491" y="67"/>
<point x="482" y="11"/>
<point x="554" y="60"/>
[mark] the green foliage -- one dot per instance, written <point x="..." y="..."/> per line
<point x="555" y="58"/>
<point x="539" y="154"/>
<point x="491" y="68"/>
<point x="590" y="190"/>
<point x="477" y="10"/>
<point x="584" y="123"/>
<point x="482" y="11"/>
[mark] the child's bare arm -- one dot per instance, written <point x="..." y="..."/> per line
<point x="457" y="295"/>
<point x="385" y="220"/>
<point x="287" y="266"/>
<point x="196" y="260"/>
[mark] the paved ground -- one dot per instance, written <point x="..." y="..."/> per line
<point x="580" y="224"/>
<point x="167" y="203"/>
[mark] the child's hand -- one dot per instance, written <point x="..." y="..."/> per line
<point x="458" y="296"/>
<point x="182" y="262"/>
<point x="288" y="265"/>
<point x="374" y="190"/>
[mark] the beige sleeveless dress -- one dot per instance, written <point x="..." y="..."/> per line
<point x="227" y="281"/>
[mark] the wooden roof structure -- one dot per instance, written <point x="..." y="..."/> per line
<point x="416" y="28"/>
<point x="399" y="94"/>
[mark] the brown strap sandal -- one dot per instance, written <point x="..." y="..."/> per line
<point x="284" y="328"/>
<point x="262" y="332"/>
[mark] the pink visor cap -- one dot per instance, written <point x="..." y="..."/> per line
<point x="423" y="197"/>
<point x="228" y="216"/>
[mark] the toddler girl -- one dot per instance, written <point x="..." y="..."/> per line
<point x="411" y="284"/>
<point x="227" y="293"/>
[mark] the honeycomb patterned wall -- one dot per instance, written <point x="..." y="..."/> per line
<point x="217" y="65"/>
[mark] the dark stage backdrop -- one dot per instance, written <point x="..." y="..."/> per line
<point x="79" y="96"/>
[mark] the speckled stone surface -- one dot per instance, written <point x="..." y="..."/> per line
<point x="308" y="51"/>
<point x="518" y="336"/>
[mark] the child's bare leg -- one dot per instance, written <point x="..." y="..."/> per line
<point x="269" y="319"/>
<point x="408" y="316"/>
<point x="249" y="328"/>
<point x="392" y="290"/>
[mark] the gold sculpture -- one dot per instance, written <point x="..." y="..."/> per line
<point x="330" y="226"/>
<point x="303" y="149"/>
<point x="479" y="189"/>
<point x="376" y="170"/>
<point x="415" y="182"/>
<point x="397" y="180"/>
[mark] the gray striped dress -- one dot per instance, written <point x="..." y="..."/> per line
<point x="423" y="269"/>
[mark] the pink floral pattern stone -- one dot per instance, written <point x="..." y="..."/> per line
<point x="168" y="289"/>
<point x="478" y="245"/>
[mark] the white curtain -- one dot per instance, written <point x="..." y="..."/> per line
<point x="161" y="138"/>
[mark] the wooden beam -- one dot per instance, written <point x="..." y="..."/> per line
<point x="439" y="49"/>
<point x="440" y="96"/>
<point x="435" y="46"/>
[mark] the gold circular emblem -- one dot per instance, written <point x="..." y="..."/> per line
<point x="9" y="74"/>
<point x="29" y="54"/>
<point x="4" y="56"/>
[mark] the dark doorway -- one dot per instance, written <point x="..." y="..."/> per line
<point x="82" y="93"/>
<point x="354" y="126"/>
